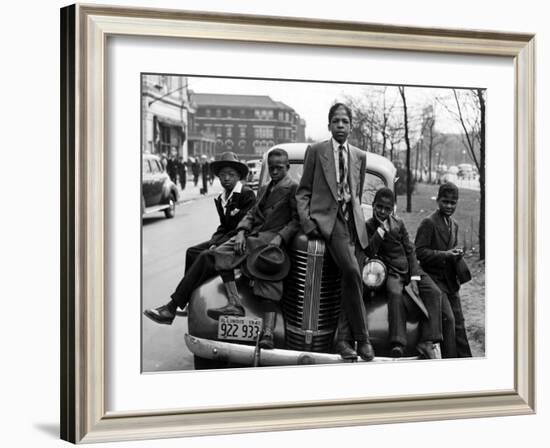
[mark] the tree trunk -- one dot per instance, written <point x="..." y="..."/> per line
<point x="481" y="176"/>
<point x="408" y="144"/>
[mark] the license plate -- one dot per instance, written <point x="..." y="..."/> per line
<point x="239" y="328"/>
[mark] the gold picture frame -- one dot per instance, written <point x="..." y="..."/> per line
<point x="84" y="32"/>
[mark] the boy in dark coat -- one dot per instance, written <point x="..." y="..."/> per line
<point x="273" y="221"/>
<point x="436" y="246"/>
<point x="232" y="204"/>
<point x="389" y="241"/>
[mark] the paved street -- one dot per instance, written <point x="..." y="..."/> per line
<point x="164" y="244"/>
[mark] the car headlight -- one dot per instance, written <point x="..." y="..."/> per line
<point x="374" y="274"/>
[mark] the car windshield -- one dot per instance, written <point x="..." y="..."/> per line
<point x="373" y="182"/>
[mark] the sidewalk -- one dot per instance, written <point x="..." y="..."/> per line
<point x="192" y="193"/>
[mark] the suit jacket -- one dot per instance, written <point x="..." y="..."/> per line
<point x="432" y="239"/>
<point x="271" y="215"/>
<point x="274" y="214"/>
<point x="235" y="210"/>
<point x="395" y="249"/>
<point x="317" y="194"/>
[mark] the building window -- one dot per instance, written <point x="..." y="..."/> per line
<point x="218" y="112"/>
<point x="281" y="116"/>
<point x="207" y="112"/>
<point x="229" y="113"/>
<point x="242" y="131"/>
<point x="243" y="113"/>
<point x="263" y="132"/>
<point x="219" y="131"/>
<point x="242" y="145"/>
<point x="208" y="128"/>
<point x="219" y="146"/>
<point x="229" y="145"/>
<point x="229" y="131"/>
<point x="270" y="114"/>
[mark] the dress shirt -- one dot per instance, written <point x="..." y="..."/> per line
<point x="224" y="198"/>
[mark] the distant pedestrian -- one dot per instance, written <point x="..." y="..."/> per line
<point x="182" y="172"/>
<point x="172" y="168"/>
<point x="211" y="172"/>
<point x="196" y="169"/>
<point x="205" y="173"/>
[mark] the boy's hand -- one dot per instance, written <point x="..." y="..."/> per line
<point x="386" y="225"/>
<point x="455" y="253"/>
<point x="276" y="241"/>
<point x="240" y="243"/>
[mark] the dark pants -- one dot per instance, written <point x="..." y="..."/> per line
<point x="430" y="329"/>
<point x="459" y="346"/>
<point x="202" y="270"/>
<point x="341" y="248"/>
<point x="183" y="178"/>
<point x="193" y="252"/>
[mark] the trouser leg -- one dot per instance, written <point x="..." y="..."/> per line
<point x="448" y="345"/>
<point x="431" y="296"/>
<point x="193" y="252"/>
<point x="462" y="346"/>
<point x="397" y="313"/>
<point x="343" y="253"/>
<point x="201" y="271"/>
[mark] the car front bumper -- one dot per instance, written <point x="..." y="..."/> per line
<point x="252" y="356"/>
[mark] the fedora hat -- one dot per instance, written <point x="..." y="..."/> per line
<point x="267" y="262"/>
<point x="231" y="160"/>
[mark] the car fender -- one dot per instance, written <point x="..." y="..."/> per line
<point x="212" y="295"/>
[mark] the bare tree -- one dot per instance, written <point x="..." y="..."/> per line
<point x="408" y="145"/>
<point x="470" y="114"/>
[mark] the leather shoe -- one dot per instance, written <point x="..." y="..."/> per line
<point x="397" y="351"/>
<point x="365" y="350"/>
<point x="345" y="349"/>
<point x="227" y="310"/>
<point x="164" y="314"/>
<point x="426" y="349"/>
<point x="267" y="340"/>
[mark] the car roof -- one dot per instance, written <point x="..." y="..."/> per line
<point x="150" y="156"/>
<point x="296" y="151"/>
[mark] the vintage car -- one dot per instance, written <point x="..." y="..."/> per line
<point x="253" y="177"/>
<point x="307" y="321"/>
<point x="158" y="192"/>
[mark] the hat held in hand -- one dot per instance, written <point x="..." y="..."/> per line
<point x="267" y="262"/>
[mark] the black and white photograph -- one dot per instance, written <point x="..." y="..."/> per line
<point x="288" y="223"/>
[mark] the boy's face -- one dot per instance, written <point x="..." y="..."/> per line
<point x="277" y="167"/>
<point x="447" y="204"/>
<point x="340" y="125"/>
<point x="382" y="208"/>
<point x="228" y="178"/>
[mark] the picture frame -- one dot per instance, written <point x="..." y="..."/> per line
<point x="84" y="416"/>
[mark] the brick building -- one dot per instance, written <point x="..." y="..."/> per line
<point x="245" y="124"/>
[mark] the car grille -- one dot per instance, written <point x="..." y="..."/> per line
<point x="311" y="299"/>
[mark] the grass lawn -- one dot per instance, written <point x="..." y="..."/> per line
<point x="467" y="216"/>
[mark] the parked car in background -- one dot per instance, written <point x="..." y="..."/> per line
<point x="466" y="171"/>
<point x="253" y="177"/>
<point x="307" y="320"/>
<point x="158" y="192"/>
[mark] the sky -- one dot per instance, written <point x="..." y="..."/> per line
<point x="312" y="100"/>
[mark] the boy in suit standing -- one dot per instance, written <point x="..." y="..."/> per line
<point x="329" y="206"/>
<point x="389" y="241"/>
<point x="436" y="246"/>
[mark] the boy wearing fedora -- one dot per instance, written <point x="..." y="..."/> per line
<point x="271" y="223"/>
<point x="436" y="247"/>
<point x="232" y="204"/>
